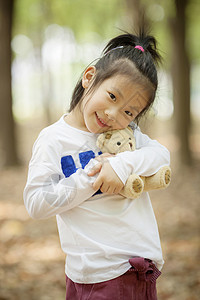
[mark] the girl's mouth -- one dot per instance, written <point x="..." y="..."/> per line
<point x="100" y="122"/>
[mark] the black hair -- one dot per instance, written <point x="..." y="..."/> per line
<point x="121" y="57"/>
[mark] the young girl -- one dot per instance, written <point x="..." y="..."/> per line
<point x="111" y="242"/>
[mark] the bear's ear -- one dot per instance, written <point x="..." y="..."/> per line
<point x="108" y="136"/>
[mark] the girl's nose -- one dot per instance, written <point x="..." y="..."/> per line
<point x="111" y="114"/>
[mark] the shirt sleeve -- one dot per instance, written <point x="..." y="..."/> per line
<point x="47" y="192"/>
<point x="146" y="160"/>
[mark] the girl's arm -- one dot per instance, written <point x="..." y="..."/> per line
<point x="146" y="160"/>
<point x="47" y="191"/>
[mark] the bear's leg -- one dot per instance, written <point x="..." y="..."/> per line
<point x="133" y="187"/>
<point x="160" y="180"/>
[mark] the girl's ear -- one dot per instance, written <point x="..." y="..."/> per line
<point x="88" y="76"/>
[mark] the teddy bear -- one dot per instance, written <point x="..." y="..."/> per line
<point x="116" y="141"/>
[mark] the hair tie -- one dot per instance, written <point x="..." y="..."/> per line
<point x="140" y="48"/>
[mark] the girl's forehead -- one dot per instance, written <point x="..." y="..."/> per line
<point x="123" y="85"/>
<point x="124" y="81"/>
<point x="119" y="79"/>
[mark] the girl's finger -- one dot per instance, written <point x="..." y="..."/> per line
<point x="103" y="156"/>
<point x="106" y="154"/>
<point x="110" y="191"/>
<point x="104" y="188"/>
<point x="97" y="184"/>
<point x="96" y="169"/>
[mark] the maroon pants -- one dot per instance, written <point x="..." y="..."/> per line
<point x="138" y="283"/>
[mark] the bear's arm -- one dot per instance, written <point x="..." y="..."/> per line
<point x="146" y="160"/>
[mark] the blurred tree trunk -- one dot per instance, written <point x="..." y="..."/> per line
<point x="8" y="154"/>
<point x="181" y="80"/>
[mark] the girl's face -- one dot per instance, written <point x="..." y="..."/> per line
<point x="113" y="104"/>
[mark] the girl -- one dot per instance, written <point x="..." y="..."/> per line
<point x="112" y="243"/>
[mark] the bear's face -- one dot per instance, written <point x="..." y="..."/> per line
<point x="116" y="141"/>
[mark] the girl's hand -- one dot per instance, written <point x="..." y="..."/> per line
<point x="96" y="169"/>
<point x="107" y="181"/>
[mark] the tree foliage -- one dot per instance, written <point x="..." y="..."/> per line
<point x="81" y="16"/>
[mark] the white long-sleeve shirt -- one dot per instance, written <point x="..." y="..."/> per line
<point x="98" y="232"/>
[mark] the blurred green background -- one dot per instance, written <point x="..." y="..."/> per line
<point x="44" y="47"/>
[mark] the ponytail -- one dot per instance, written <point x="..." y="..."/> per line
<point x="140" y="49"/>
<point x="147" y="42"/>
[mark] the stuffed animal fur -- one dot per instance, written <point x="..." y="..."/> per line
<point x="116" y="141"/>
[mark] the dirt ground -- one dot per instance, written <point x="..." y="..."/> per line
<point x="32" y="263"/>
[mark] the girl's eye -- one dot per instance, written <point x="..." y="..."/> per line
<point x="128" y="113"/>
<point x="112" y="96"/>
